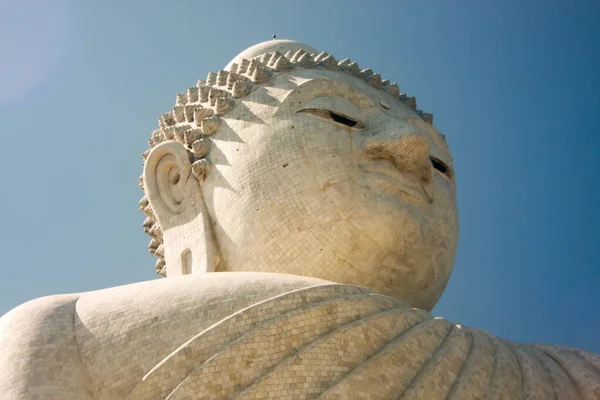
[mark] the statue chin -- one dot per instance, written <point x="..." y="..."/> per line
<point x="304" y="213"/>
<point x="401" y="253"/>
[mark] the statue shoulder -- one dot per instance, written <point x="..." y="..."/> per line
<point x="124" y="332"/>
<point x="104" y="341"/>
<point x="36" y="340"/>
<point x="30" y="315"/>
<point x="43" y="320"/>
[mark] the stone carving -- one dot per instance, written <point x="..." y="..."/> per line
<point x="314" y="207"/>
<point x="210" y="125"/>
<point x="200" y="147"/>
<point x="200" y="169"/>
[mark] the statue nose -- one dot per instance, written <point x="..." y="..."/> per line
<point x="409" y="153"/>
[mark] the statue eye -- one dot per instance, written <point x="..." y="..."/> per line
<point x="336" y="118"/>
<point x="441" y="167"/>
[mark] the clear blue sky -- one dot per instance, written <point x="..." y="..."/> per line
<point x="515" y="85"/>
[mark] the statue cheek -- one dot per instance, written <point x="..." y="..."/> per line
<point x="443" y="193"/>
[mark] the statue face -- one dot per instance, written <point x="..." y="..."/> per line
<point x="317" y="173"/>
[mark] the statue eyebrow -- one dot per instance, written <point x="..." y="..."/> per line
<point x="331" y="89"/>
<point x="352" y="99"/>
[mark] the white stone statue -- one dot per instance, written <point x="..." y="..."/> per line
<point x="304" y="213"/>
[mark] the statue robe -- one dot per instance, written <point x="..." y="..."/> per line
<point x="255" y="335"/>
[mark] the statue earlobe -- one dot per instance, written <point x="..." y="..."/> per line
<point x="174" y="194"/>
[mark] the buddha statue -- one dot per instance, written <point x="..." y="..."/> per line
<point x="303" y="211"/>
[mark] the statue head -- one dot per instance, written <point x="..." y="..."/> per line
<point x="288" y="161"/>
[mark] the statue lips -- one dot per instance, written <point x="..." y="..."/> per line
<point x="387" y="175"/>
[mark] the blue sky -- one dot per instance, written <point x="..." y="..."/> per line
<point x="514" y="85"/>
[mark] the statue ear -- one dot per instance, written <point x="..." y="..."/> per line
<point x="174" y="194"/>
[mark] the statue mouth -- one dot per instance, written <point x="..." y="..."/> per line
<point x="385" y="175"/>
